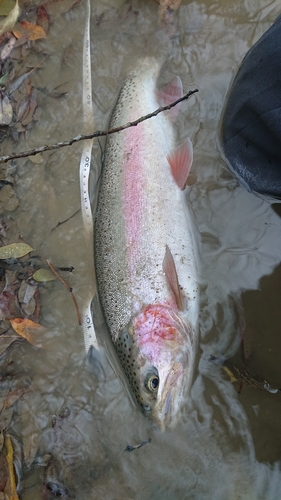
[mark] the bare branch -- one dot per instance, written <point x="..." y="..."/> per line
<point x="85" y="137"/>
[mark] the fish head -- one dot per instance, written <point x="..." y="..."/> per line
<point x="157" y="354"/>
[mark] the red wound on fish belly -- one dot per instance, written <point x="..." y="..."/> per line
<point x="180" y="161"/>
<point x="170" y="271"/>
<point x="170" y="93"/>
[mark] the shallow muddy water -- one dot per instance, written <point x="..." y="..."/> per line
<point x="227" y="445"/>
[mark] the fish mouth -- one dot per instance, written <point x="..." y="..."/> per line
<point x="170" y="397"/>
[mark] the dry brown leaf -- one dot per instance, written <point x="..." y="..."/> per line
<point x="43" y="19"/>
<point x="9" y="305"/>
<point x="29" y="330"/>
<point x="29" y="30"/>
<point x="26" y="292"/>
<point x="13" y="396"/>
<point x="29" y="309"/>
<point x="29" y="114"/>
<point x="8" y="47"/>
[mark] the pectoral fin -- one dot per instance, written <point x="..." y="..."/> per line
<point x="170" y="271"/>
<point x="180" y="161"/>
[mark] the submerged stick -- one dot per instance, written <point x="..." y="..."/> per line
<point x="68" y="288"/>
<point x="98" y="133"/>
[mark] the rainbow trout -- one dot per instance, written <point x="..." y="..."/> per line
<point x="145" y="252"/>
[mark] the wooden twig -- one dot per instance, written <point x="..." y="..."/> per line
<point x="93" y="135"/>
<point x="68" y="288"/>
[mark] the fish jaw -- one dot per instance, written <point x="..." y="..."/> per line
<point x="175" y="381"/>
<point x="166" y="348"/>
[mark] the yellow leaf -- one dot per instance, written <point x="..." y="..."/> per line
<point x="230" y="374"/>
<point x="10" y="488"/>
<point x="28" y="330"/>
<point x="43" y="275"/>
<point x="14" y="250"/>
<point x="29" y="30"/>
<point x="10" y="21"/>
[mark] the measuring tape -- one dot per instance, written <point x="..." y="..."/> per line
<point x="90" y="338"/>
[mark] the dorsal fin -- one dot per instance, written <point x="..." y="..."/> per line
<point x="170" y="271"/>
<point x="180" y="161"/>
<point x="170" y="93"/>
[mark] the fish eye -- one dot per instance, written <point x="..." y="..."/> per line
<point x="152" y="382"/>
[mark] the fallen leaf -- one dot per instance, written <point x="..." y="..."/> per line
<point x="36" y="314"/>
<point x="10" y="489"/>
<point x="26" y="292"/>
<point x="13" y="396"/>
<point x="8" y="47"/>
<point x="14" y="250"/>
<point x="29" y="309"/>
<point x="43" y="275"/>
<point x="6" y="111"/>
<point x="29" y="330"/>
<point x="28" y="115"/>
<point x="230" y="374"/>
<point x="36" y="158"/>
<point x="12" y="87"/>
<point x="9" y="305"/>
<point x="43" y="19"/>
<point x="22" y="109"/>
<point x="8" y="23"/>
<point x="29" y="30"/>
<point x="4" y="36"/>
